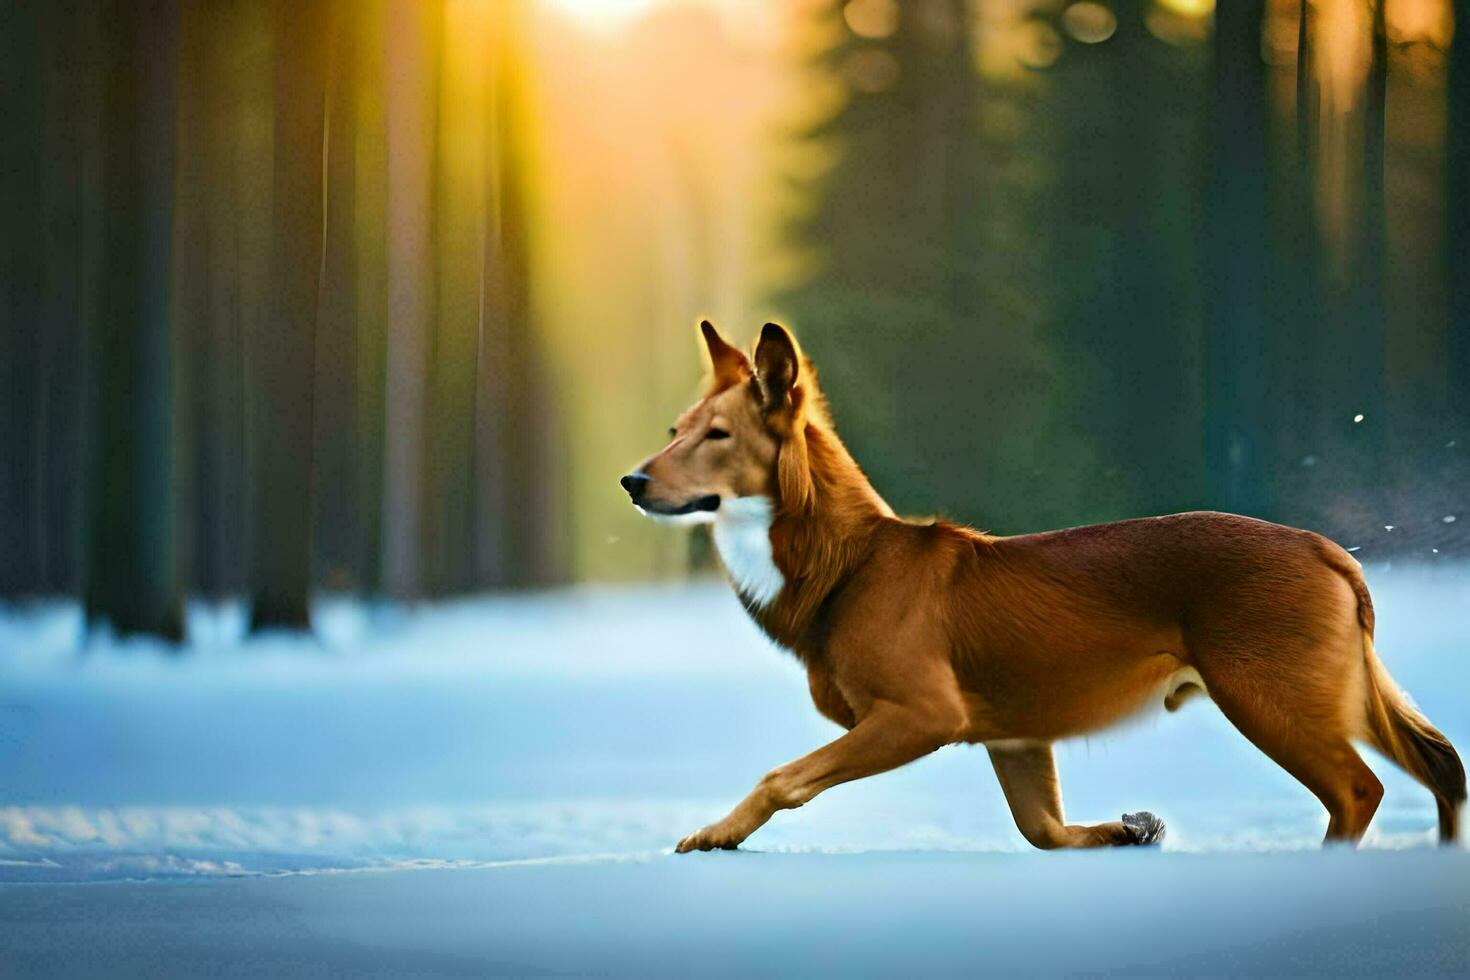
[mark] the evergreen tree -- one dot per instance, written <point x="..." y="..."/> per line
<point x="1129" y="131"/>
<point x="890" y="234"/>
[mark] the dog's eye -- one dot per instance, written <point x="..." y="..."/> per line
<point x="717" y="434"/>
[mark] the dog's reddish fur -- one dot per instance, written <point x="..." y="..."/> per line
<point x="917" y="635"/>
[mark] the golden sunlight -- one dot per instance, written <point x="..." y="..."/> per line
<point x="609" y="13"/>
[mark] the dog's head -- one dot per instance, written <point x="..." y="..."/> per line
<point x="728" y="444"/>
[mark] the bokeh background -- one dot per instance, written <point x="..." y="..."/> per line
<point x="328" y="326"/>
<point x="379" y="297"/>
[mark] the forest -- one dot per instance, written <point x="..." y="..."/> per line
<point x="380" y="297"/>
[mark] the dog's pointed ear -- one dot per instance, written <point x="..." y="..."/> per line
<point x="727" y="363"/>
<point x="777" y="365"/>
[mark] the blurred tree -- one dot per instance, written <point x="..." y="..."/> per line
<point x="1297" y="296"/>
<point x="486" y="486"/>
<point x="1331" y="474"/>
<point x="1355" y="358"/>
<point x="1457" y="219"/>
<point x="130" y="577"/>
<point x="458" y="233"/>
<point x="1058" y="331"/>
<point x="193" y="288"/>
<point x="1239" y="369"/>
<point x="891" y="231"/>
<point x="370" y="274"/>
<point x="283" y="358"/>
<point x="502" y="313"/>
<point x="225" y="94"/>
<point x="1367" y="297"/>
<point x="413" y="44"/>
<point x="337" y="519"/>
<point x="1130" y="131"/>
<point x="22" y="165"/>
<point x="517" y="421"/>
<point x="69" y="243"/>
<point x="245" y="303"/>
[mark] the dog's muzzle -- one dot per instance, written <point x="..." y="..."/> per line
<point x="637" y="486"/>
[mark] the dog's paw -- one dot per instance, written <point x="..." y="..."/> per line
<point x="711" y="838"/>
<point x="1144" y="829"/>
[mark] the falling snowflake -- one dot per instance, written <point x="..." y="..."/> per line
<point x="1358" y="417"/>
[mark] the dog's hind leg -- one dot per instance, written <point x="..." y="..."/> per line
<point x="1028" y="777"/>
<point x="1300" y="726"/>
<point x="1318" y="754"/>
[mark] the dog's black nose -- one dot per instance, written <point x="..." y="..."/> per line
<point x="635" y="484"/>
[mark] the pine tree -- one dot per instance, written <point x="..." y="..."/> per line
<point x="890" y="234"/>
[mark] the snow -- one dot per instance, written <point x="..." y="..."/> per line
<point x="590" y="721"/>
<point x="553" y="747"/>
<point x="875" y="914"/>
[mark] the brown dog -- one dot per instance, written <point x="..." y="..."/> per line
<point x="916" y="636"/>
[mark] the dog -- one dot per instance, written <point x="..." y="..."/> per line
<point x="920" y="635"/>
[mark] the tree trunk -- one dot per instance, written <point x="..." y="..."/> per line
<point x="1367" y="309"/>
<point x="192" y="285"/>
<point x="1155" y="293"/>
<point x="371" y="286"/>
<point x="69" y="244"/>
<point x="238" y="88"/>
<point x="413" y="43"/>
<point x="22" y="145"/>
<point x="336" y="518"/>
<point x="130" y="578"/>
<point x="494" y="368"/>
<point x="517" y="442"/>
<point x="1296" y="306"/>
<point x="284" y="357"/>
<point x="1457" y="215"/>
<point x="459" y="217"/>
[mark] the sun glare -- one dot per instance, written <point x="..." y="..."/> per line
<point x="608" y="13"/>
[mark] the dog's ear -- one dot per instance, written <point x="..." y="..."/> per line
<point x="728" y="365"/>
<point x="777" y="366"/>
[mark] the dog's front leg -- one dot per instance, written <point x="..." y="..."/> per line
<point x="889" y="736"/>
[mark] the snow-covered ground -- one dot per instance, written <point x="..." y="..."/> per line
<point x="919" y="914"/>
<point x="491" y="788"/>
<point x="567" y="725"/>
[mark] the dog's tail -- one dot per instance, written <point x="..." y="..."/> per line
<point x="1399" y="731"/>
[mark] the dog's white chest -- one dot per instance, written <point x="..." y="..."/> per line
<point x="743" y="536"/>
